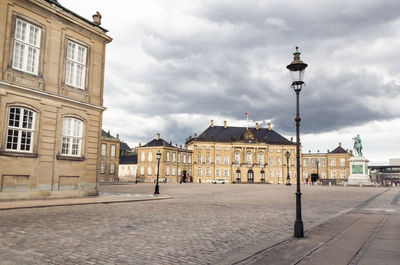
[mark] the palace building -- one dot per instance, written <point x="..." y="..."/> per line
<point x="240" y="154"/>
<point x="51" y="100"/>
<point x="332" y="166"/>
<point x="175" y="162"/>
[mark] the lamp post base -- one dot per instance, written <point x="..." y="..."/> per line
<point x="288" y="183"/>
<point x="298" y="228"/>
<point x="157" y="190"/>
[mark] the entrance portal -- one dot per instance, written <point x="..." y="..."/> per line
<point x="250" y="176"/>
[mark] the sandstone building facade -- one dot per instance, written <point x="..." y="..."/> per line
<point x="175" y="162"/>
<point x="51" y="100"/>
<point x="240" y="154"/>
<point x="109" y="157"/>
<point x="332" y="167"/>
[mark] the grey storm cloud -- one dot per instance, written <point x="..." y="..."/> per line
<point x="232" y="58"/>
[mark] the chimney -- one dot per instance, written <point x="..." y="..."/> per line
<point x="224" y="124"/>
<point x="318" y="151"/>
<point x="257" y="126"/>
<point x="327" y="151"/>
<point x="195" y="135"/>
<point x="309" y="151"/>
<point x="97" y="18"/>
<point x="140" y="144"/>
<point x="212" y="123"/>
<point x="340" y="144"/>
<point x="108" y="133"/>
<point x="158" y="136"/>
<point x="269" y="126"/>
<point x="180" y="146"/>
<point x="117" y="135"/>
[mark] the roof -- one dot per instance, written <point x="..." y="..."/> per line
<point x="338" y="150"/>
<point x="132" y="159"/>
<point x="124" y="147"/>
<point x="157" y="142"/>
<point x="106" y="134"/>
<point x="55" y="2"/>
<point x="231" y="134"/>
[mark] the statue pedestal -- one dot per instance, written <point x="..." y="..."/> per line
<point x="359" y="171"/>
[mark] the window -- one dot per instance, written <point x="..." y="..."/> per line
<point x="102" y="167"/>
<point x="101" y="179"/>
<point x="71" y="137"/>
<point x="218" y="148"/>
<point x="112" y="168"/>
<point x="262" y="176"/>
<point x="173" y="156"/>
<point x="322" y="162"/>
<point x="167" y="171"/>
<point x="237" y="158"/>
<point x="148" y="171"/>
<point x="342" y="162"/>
<point x="184" y="159"/>
<point x="199" y="159"/>
<point x="218" y="172"/>
<point x="167" y="156"/>
<point x="103" y="149"/>
<point x="343" y="174"/>
<point x="260" y="159"/>
<point x="226" y="148"/>
<point x="218" y="160"/>
<point x="199" y="148"/>
<point x="208" y="159"/>
<point x="142" y="155"/>
<point x="279" y="174"/>
<point x="208" y="172"/>
<point x="278" y="150"/>
<point x="324" y="175"/>
<point x="150" y="156"/>
<point x="173" y="171"/>
<point x="20" y="129"/>
<point x="237" y="175"/>
<point x="305" y="162"/>
<point x="75" y="65"/>
<point x="26" y="47"/>
<point x="141" y="171"/>
<point x="208" y="147"/>
<point x="199" y="172"/>
<point x="226" y="173"/>
<point x="112" y="151"/>
<point x="333" y="162"/>
<point x="226" y="160"/>
<point x="333" y="175"/>
<point x="190" y="159"/>
<point x="271" y="174"/>
<point x="179" y="158"/>
<point x="271" y="150"/>
<point x="271" y="161"/>
<point x="248" y="158"/>
<point x="278" y="161"/>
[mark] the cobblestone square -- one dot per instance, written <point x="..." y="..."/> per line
<point x="200" y="224"/>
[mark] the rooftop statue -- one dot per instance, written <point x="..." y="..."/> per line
<point x="357" y="145"/>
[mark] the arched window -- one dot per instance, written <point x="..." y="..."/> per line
<point x="250" y="176"/>
<point x="71" y="137"/>
<point x="261" y="159"/>
<point x="248" y="158"/>
<point x="238" y="175"/>
<point x="20" y="129"/>
<point x="237" y="158"/>
<point x="262" y="176"/>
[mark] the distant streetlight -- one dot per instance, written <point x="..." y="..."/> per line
<point x="297" y="68"/>
<point x="287" y="163"/>
<point x="317" y="163"/>
<point x="157" y="188"/>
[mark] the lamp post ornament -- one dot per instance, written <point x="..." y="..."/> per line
<point x="357" y="145"/>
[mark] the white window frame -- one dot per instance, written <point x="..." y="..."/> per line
<point x="217" y="172"/>
<point x="226" y="172"/>
<point x="208" y="172"/>
<point x="333" y="175"/>
<point x="248" y="158"/>
<point x="142" y="156"/>
<point x="173" y="171"/>
<point x="75" y="65"/>
<point x="217" y="160"/>
<point x="20" y="130"/>
<point x="71" y="141"/>
<point x="261" y="159"/>
<point x="150" y="156"/>
<point x="112" y="168"/>
<point x="207" y="159"/>
<point x="333" y="162"/>
<point x="102" y="167"/>
<point x="167" y="156"/>
<point x="226" y="160"/>
<point x="199" y="171"/>
<point x="149" y="171"/>
<point x="173" y="156"/>
<point x="142" y="171"/>
<point x="198" y="159"/>
<point x="342" y="162"/>
<point x="237" y="158"/>
<point x="103" y="149"/>
<point x="113" y="149"/>
<point x="26" y="53"/>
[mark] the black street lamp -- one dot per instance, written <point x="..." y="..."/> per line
<point x="287" y="163"/>
<point x="157" y="189"/>
<point x="317" y="163"/>
<point x="296" y="69"/>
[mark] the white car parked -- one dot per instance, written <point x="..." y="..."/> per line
<point x="220" y="181"/>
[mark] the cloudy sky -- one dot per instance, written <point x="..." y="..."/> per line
<point x="175" y="65"/>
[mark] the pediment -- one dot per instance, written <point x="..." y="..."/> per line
<point x="249" y="136"/>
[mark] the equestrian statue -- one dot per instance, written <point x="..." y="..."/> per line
<point x="357" y="145"/>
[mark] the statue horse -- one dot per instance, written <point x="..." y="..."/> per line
<point x="357" y="147"/>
